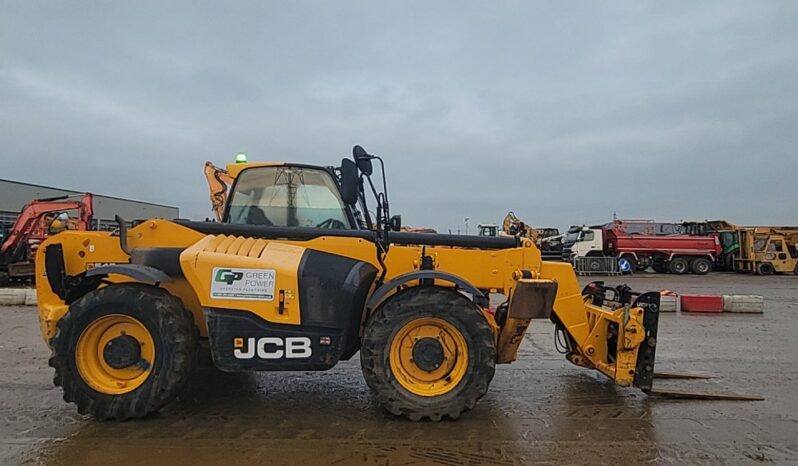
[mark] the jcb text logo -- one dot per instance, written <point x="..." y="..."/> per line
<point x="228" y="276"/>
<point x="272" y="348"/>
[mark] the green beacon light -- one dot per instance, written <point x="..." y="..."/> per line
<point x="241" y="157"/>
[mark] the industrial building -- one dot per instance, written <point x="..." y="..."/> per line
<point x="15" y="194"/>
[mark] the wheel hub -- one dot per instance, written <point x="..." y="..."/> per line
<point x="428" y="354"/>
<point x="115" y="354"/>
<point x="122" y="351"/>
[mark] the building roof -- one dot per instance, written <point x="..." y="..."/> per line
<point x="34" y="185"/>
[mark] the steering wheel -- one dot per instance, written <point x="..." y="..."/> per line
<point x="332" y="224"/>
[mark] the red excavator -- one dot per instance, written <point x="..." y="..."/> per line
<point x="39" y="219"/>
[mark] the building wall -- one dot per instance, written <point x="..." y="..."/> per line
<point x="14" y="195"/>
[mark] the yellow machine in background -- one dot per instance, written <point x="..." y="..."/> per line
<point x="297" y="275"/>
<point x="514" y="226"/>
<point x="767" y="250"/>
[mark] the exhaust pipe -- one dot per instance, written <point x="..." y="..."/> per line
<point x="122" y="234"/>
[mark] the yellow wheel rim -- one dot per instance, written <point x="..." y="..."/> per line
<point x="420" y="377"/>
<point x="92" y="364"/>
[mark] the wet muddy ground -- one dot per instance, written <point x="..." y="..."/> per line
<point x="539" y="409"/>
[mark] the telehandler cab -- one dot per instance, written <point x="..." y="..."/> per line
<point x="297" y="275"/>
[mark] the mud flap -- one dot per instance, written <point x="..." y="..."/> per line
<point x="644" y="370"/>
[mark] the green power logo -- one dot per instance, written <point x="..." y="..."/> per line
<point x="227" y="276"/>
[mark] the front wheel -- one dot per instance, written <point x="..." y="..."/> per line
<point x="765" y="268"/>
<point x="428" y="353"/>
<point x="124" y="351"/>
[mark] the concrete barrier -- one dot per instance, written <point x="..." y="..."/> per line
<point x="30" y="297"/>
<point x="701" y="303"/>
<point x="12" y="296"/>
<point x="743" y="303"/>
<point x="668" y="302"/>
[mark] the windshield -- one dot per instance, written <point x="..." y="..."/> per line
<point x="287" y="196"/>
<point x="759" y="244"/>
<point x="488" y="230"/>
<point x="570" y="238"/>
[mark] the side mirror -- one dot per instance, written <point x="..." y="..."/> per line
<point x="396" y="223"/>
<point x="363" y="160"/>
<point x="349" y="182"/>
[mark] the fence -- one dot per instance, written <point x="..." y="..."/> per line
<point x="596" y="266"/>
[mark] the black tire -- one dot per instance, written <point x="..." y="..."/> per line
<point x="659" y="267"/>
<point x="168" y="323"/>
<point x="633" y="267"/>
<point x="765" y="268"/>
<point x="678" y="266"/>
<point x="415" y="303"/>
<point x="701" y="266"/>
<point x="795" y="270"/>
<point x="4" y="279"/>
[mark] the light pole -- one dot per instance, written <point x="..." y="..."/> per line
<point x="466" y="222"/>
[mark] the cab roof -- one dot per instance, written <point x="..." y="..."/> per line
<point x="233" y="169"/>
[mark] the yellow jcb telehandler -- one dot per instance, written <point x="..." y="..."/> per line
<point x="297" y="275"/>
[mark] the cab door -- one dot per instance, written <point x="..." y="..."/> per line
<point x="782" y="261"/>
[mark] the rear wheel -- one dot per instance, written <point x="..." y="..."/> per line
<point x="765" y="268"/>
<point x="428" y="353"/>
<point x="4" y="279"/>
<point x="678" y="265"/>
<point x="701" y="266"/>
<point x="124" y="351"/>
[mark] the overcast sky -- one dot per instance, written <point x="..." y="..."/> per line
<point x="564" y="112"/>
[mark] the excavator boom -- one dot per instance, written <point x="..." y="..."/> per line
<point x="29" y="220"/>
<point x="219" y="181"/>
<point x="514" y="226"/>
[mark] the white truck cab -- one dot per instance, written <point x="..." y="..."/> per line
<point x="589" y="242"/>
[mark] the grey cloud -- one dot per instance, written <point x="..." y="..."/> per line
<point x="561" y="112"/>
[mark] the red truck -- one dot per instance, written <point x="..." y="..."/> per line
<point x="676" y="253"/>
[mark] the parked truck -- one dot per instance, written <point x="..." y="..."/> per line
<point x="727" y="234"/>
<point x="675" y="253"/>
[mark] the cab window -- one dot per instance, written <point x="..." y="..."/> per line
<point x="287" y="197"/>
